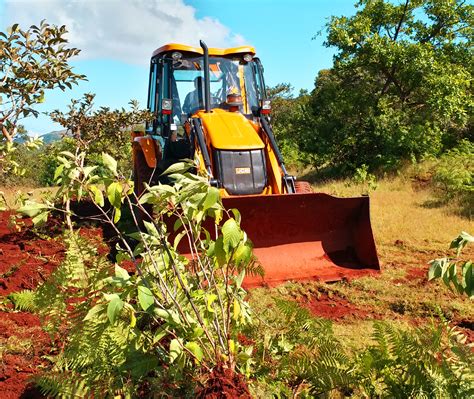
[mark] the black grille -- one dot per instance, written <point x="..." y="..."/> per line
<point x="241" y="172"/>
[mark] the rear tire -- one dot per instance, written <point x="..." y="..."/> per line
<point x="303" y="187"/>
<point x="142" y="173"/>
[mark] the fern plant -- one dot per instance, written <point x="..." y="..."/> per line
<point x="297" y="354"/>
<point x="432" y="361"/>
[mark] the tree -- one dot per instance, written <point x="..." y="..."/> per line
<point x="290" y="118"/>
<point x="400" y="87"/>
<point x="102" y="130"/>
<point x="31" y="62"/>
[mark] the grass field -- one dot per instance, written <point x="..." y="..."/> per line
<point x="409" y="231"/>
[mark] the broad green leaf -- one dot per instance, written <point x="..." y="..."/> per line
<point x="176" y="349"/>
<point x="93" y="312"/>
<point x="231" y="346"/>
<point x="98" y="196"/>
<point x="109" y="162"/>
<point x="237" y="216"/>
<point x="195" y="349"/>
<point x="435" y="270"/>
<point x="210" y="299"/>
<point x="151" y="229"/>
<point x="146" y="198"/>
<point x="177" y="168"/>
<point x="240" y="278"/>
<point x="219" y="251"/>
<point x="211" y="198"/>
<point x="145" y="297"/>
<point x="32" y="209"/>
<point x="114" y="194"/>
<point x="232" y="234"/>
<point x="237" y="310"/>
<point x="197" y="332"/>
<point x="243" y="254"/>
<point x="178" y="238"/>
<point x="177" y="224"/>
<point x="133" y="318"/>
<point x="40" y="219"/>
<point x="68" y="154"/>
<point x="121" y="273"/>
<point x="468" y="279"/>
<point x="117" y="214"/>
<point x="88" y="170"/>
<point x="58" y="172"/>
<point x="114" y="308"/>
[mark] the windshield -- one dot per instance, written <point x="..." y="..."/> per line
<point x="227" y="76"/>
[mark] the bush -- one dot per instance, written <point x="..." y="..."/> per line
<point x="454" y="175"/>
<point x="171" y="323"/>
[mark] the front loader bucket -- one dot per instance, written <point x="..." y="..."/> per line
<point x="307" y="236"/>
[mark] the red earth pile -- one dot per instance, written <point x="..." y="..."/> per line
<point x="26" y="260"/>
<point x="224" y="384"/>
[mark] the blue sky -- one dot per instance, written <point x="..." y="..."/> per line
<point x="117" y="39"/>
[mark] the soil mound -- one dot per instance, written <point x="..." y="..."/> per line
<point x="26" y="259"/>
<point x="224" y="384"/>
<point x="335" y="308"/>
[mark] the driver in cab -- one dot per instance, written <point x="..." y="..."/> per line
<point x="194" y="99"/>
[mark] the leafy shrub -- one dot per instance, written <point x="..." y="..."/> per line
<point x="49" y="159"/>
<point x="175" y="320"/>
<point x="454" y="175"/>
<point x="457" y="274"/>
<point x="363" y="178"/>
<point x="19" y="161"/>
<point x="102" y="130"/>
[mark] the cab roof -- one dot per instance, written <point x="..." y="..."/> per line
<point x="198" y="50"/>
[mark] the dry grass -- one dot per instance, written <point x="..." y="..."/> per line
<point x="403" y="214"/>
<point x="410" y="228"/>
<point x="13" y="194"/>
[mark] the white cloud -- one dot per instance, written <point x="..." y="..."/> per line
<point x="127" y="30"/>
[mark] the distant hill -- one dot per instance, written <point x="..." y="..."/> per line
<point x="51" y="137"/>
<point x="48" y="138"/>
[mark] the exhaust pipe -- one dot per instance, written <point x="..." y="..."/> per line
<point x="207" y="89"/>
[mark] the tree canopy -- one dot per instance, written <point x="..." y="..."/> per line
<point x="400" y="86"/>
<point x="32" y="61"/>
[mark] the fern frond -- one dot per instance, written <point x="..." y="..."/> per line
<point x="62" y="386"/>
<point x="23" y="300"/>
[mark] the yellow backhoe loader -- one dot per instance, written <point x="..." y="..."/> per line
<point x="211" y="105"/>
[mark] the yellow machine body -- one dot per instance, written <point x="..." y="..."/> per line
<point x="297" y="235"/>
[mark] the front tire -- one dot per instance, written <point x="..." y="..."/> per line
<point x="303" y="187"/>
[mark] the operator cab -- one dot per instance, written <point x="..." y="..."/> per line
<point x="177" y="84"/>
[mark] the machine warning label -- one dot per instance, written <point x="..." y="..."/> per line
<point x="242" y="171"/>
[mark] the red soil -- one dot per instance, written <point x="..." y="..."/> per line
<point x="335" y="308"/>
<point x="25" y="261"/>
<point x="224" y="384"/>
<point x="24" y="343"/>
<point x="415" y="276"/>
